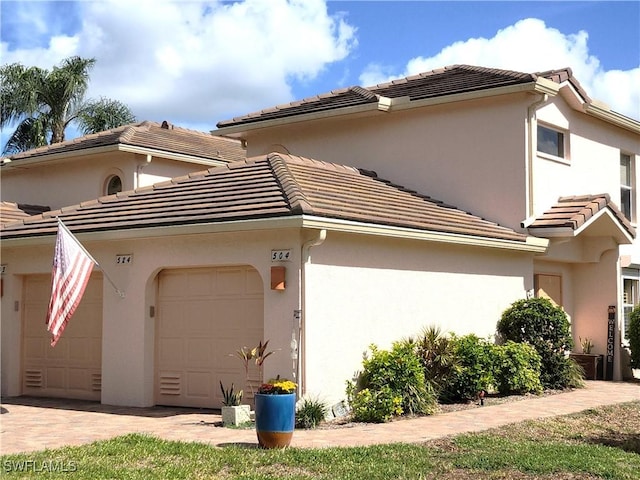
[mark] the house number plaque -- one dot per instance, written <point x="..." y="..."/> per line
<point x="124" y="259"/>
<point x="280" y="255"/>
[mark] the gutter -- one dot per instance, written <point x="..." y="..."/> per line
<point x="603" y="112"/>
<point x="305" y="257"/>
<point x="384" y="104"/>
<point x="530" y="243"/>
<point x="532" y="124"/>
<point x="69" y="155"/>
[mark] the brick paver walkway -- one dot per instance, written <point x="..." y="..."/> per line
<point x="35" y="424"/>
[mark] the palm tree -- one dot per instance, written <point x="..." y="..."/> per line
<point x="44" y="102"/>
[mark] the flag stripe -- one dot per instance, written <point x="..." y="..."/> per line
<point x="72" y="267"/>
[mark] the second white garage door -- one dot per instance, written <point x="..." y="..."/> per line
<point x="204" y="316"/>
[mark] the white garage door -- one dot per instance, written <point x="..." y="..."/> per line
<point x="205" y="316"/>
<point x="71" y="369"/>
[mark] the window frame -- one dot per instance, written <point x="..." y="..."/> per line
<point x="107" y="184"/>
<point x="563" y="134"/>
<point x="628" y="305"/>
<point x="630" y="188"/>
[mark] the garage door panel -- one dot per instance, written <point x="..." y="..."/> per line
<point x="34" y="349"/>
<point x="254" y="285"/>
<point x="199" y="352"/>
<point x="200" y="284"/>
<point x="230" y="282"/>
<point x="173" y="285"/>
<point x="171" y="352"/>
<point x="78" y="378"/>
<point x="56" y="378"/>
<point x="171" y="317"/>
<point x="79" y="351"/>
<point x="72" y="368"/>
<point x="198" y="385"/>
<point x="199" y="330"/>
<point x="35" y="311"/>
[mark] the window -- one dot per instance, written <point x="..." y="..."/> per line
<point x="626" y="186"/>
<point x="629" y="301"/>
<point x="551" y="142"/>
<point x="114" y="185"/>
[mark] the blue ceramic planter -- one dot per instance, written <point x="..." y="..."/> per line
<point x="275" y="419"/>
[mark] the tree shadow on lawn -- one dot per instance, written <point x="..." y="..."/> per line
<point x="629" y="442"/>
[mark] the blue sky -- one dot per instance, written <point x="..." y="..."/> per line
<point x="196" y="63"/>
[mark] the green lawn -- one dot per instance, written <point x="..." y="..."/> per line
<point x="599" y="443"/>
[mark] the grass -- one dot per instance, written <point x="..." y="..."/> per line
<point x="598" y="443"/>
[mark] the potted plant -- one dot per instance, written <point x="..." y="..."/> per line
<point x="275" y="413"/>
<point x="233" y="413"/>
<point x="590" y="363"/>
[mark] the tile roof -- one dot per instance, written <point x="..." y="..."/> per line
<point x="10" y="211"/>
<point x="275" y="185"/>
<point x="152" y="135"/>
<point x="445" y="81"/>
<point x="573" y="212"/>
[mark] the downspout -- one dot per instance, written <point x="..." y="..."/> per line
<point x="139" y="170"/>
<point x="304" y="259"/>
<point x="531" y="137"/>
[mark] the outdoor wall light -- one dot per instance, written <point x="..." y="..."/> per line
<point x="277" y="278"/>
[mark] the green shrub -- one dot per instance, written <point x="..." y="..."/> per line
<point x="634" y="336"/>
<point x="374" y="406"/>
<point x="310" y="413"/>
<point x="475" y="374"/>
<point x="388" y="375"/>
<point x="516" y="368"/>
<point x="538" y="322"/>
<point x="438" y="357"/>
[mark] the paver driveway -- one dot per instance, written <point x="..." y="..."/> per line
<point x="29" y="424"/>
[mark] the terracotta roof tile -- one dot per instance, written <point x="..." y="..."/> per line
<point x="573" y="212"/>
<point x="269" y="186"/>
<point x="10" y="212"/>
<point x="440" y="82"/>
<point x="162" y="137"/>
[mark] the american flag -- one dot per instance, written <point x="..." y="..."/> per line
<point x="72" y="267"/>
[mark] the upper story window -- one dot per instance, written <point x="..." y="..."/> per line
<point x="551" y="142"/>
<point x="627" y="186"/>
<point x="114" y="185"/>
<point x="629" y="300"/>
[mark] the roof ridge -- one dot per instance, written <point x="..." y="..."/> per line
<point x="298" y="202"/>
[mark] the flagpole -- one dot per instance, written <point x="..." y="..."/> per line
<point x="64" y="227"/>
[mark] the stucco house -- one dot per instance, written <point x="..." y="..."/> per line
<point x="359" y="217"/>
<point x="124" y="158"/>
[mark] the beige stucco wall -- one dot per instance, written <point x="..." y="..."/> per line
<point x="359" y="289"/>
<point x="593" y="165"/>
<point x="82" y="178"/>
<point x="469" y="154"/>
<point x="363" y="290"/>
<point x="128" y="329"/>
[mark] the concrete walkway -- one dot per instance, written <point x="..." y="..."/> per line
<point x="29" y="424"/>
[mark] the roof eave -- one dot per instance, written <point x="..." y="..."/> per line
<point x="119" y="147"/>
<point x="603" y="112"/>
<point x="236" y="131"/>
<point x="529" y="244"/>
<point x="384" y="104"/>
<point x="163" y="231"/>
<point x="621" y="234"/>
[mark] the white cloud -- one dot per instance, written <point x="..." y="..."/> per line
<point x="194" y="62"/>
<point x="531" y="46"/>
